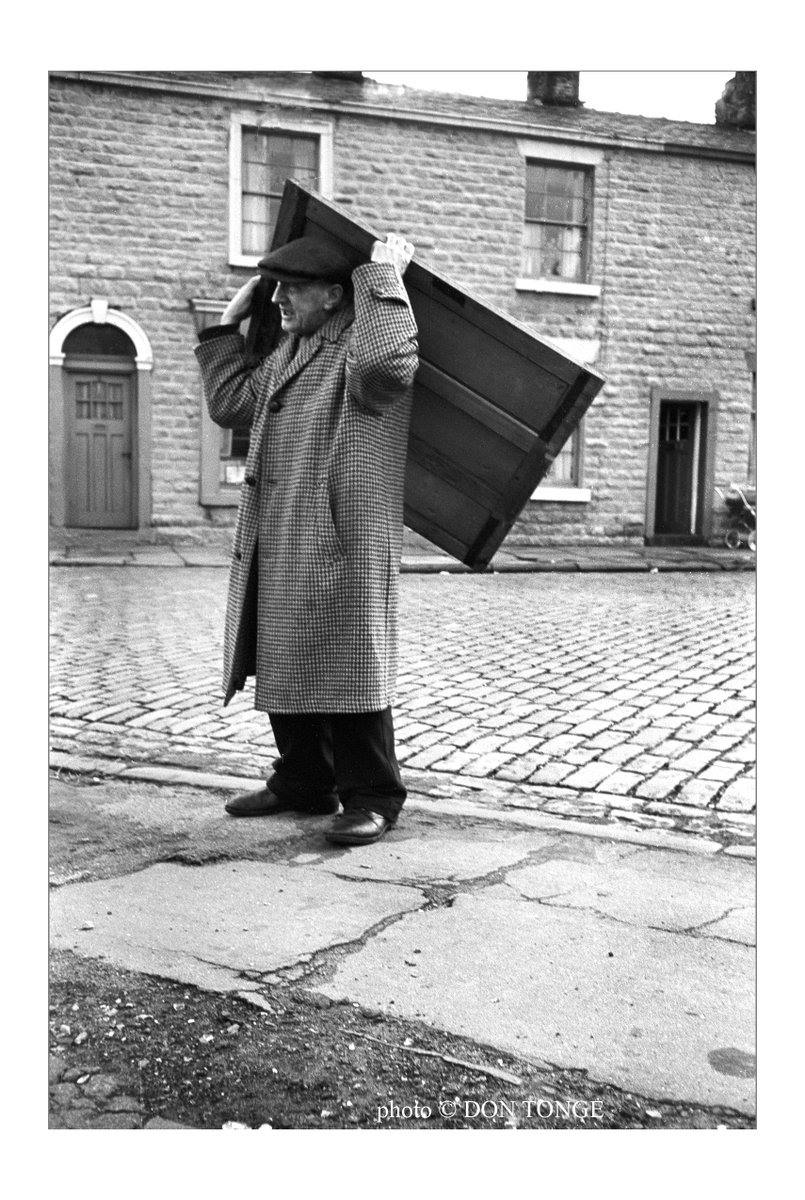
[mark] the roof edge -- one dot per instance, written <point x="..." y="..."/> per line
<point x="148" y="82"/>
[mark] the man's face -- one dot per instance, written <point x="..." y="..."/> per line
<point x="304" y="307"/>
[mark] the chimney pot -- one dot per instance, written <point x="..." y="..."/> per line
<point x="736" y="107"/>
<point x="349" y="76"/>
<point x="554" y="87"/>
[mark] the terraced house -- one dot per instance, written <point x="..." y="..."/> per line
<point x="629" y="241"/>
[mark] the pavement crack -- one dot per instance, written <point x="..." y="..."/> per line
<point x="695" y="930"/>
<point x="551" y="901"/>
<point x="320" y="965"/>
<point x="435" y="890"/>
<point x="237" y="972"/>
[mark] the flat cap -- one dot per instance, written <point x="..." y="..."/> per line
<point x="304" y="259"/>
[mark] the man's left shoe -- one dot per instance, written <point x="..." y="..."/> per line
<point x="266" y="803"/>
<point x="358" y="827"/>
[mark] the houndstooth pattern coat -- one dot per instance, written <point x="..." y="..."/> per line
<point x="313" y="611"/>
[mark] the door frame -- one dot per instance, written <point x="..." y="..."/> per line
<point x="98" y="312"/>
<point x="707" y="402"/>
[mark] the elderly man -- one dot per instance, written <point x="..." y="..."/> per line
<point x="312" y="607"/>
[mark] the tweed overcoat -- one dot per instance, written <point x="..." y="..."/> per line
<point x="313" y="586"/>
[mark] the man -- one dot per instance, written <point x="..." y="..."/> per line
<point x="312" y="606"/>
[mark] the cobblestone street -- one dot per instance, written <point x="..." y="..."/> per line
<point x="618" y="698"/>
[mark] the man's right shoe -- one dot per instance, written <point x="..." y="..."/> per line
<point x="358" y="827"/>
<point x="264" y="803"/>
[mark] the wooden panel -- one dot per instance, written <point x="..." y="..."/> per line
<point x="442" y="504"/>
<point x="430" y="381"/>
<point x="465" y="351"/>
<point x="475" y="450"/>
<point x="99" y="458"/>
<point x="493" y="403"/>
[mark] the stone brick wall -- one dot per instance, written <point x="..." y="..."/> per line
<point x="139" y="217"/>
<point x="139" y="209"/>
<point x="677" y="312"/>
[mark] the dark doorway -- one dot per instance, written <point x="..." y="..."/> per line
<point x="681" y="466"/>
<point x="678" y="451"/>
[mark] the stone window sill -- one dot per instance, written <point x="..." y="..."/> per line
<point x="564" y="495"/>
<point x="558" y="287"/>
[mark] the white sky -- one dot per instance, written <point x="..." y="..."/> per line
<point x="678" y="95"/>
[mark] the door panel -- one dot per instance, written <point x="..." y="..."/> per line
<point x="99" y="450"/>
<point x="676" y="455"/>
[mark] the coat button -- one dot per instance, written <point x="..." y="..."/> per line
<point x="238" y="555"/>
<point x="250" y="480"/>
<point x="274" y="406"/>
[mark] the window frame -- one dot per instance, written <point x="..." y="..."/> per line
<point x="269" y="123"/>
<point x="570" y="489"/>
<point x="584" y="350"/>
<point x="212" y="492"/>
<point x="557" y="154"/>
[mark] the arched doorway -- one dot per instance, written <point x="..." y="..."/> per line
<point x="100" y="421"/>
<point x="100" y="399"/>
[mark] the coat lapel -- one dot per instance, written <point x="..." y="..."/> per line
<point x="283" y="365"/>
<point x="291" y="360"/>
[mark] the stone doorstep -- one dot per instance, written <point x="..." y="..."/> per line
<point x="658" y="837"/>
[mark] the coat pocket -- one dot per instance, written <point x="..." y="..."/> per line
<point x="327" y="519"/>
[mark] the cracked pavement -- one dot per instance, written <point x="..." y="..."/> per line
<point x="632" y="963"/>
<point x="572" y="882"/>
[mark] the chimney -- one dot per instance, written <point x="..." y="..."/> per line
<point x="348" y="76"/>
<point x="553" y="87"/>
<point x="736" y="108"/>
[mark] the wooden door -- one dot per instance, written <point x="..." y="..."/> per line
<point x="677" y="453"/>
<point x="99" y="450"/>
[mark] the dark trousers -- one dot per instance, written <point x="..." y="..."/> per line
<point x="351" y="754"/>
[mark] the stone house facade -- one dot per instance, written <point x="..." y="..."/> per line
<point x="630" y="241"/>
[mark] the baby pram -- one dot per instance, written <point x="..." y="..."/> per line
<point x="742" y="506"/>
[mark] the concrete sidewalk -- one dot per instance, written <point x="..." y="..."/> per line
<point x="630" y="961"/>
<point x="212" y="549"/>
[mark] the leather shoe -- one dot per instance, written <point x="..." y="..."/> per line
<point x="264" y="803"/>
<point x="358" y="827"/>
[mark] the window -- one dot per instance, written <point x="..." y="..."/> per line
<point x="232" y="456"/>
<point x="91" y="340"/>
<point x="564" y="468"/>
<point x="564" y="481"/>
<point x="557" y="218"/>
<point x="557" y="245"/>
<point x="262" y="155"/>
<point x="223" y="451"/>
<point x="267" y="160"/>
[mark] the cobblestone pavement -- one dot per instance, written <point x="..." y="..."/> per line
<point x="623" y="698"/>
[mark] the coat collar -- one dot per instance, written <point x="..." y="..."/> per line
<point x="294" y="353"/>
<point x="332" y="329"/>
